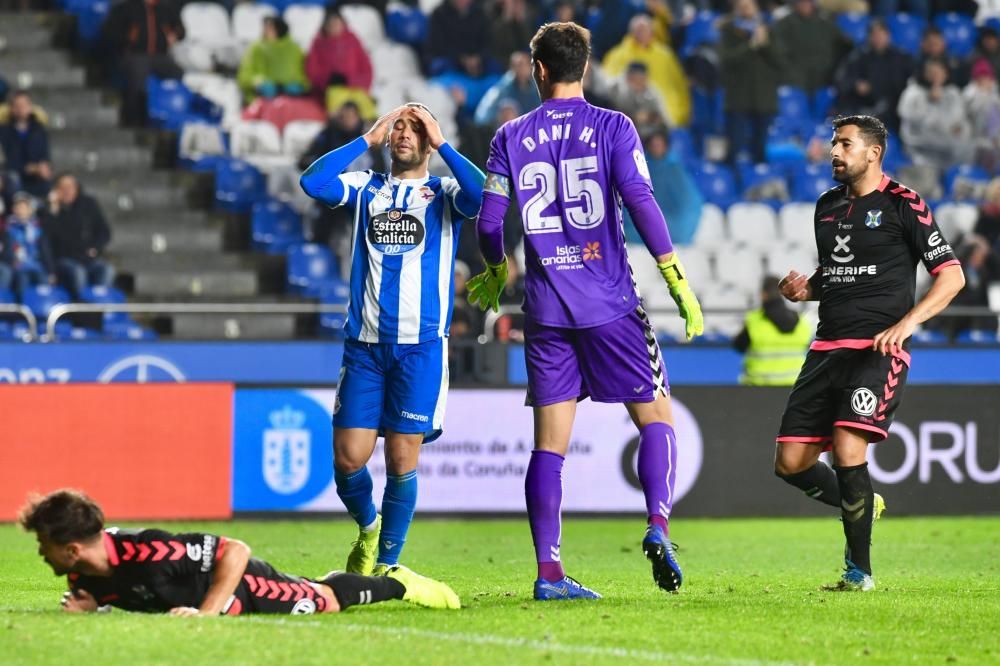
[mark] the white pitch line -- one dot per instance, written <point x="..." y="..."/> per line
<point x="514" y="642"/>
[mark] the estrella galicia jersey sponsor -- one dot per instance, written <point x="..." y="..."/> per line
<point x="568" y="161"/>
<point x="154" y="571"/>
<point x="403" y="256"/>
<point x="869" y="248"/>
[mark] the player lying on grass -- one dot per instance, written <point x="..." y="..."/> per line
<point x="154" y="571"/>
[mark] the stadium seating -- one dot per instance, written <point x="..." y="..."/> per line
<point x="207" y="36"/>
<point x="275" y="227"/>
<point x="298" y="135"/>
<point x="238" y="185"/>
<point x="752" y="224"/>
<point x="109" y="295"/>
<point x="41" y="299"/>
<point x="335" y="293"/>
<point x="966" y="183"/>
<point x="711" y="231"/>
<point x="907" y="30"/>
<point x="248" y="23"/>
<point x="959" y="33"/>
<point x="311" y="269"/>
<point x="304" y="21"/>
<point x="406" y="25"/>
<point x="854" y="26"/>
<point x="956" y="219"/>
<point x="796" y="223"/>
<point x="703" y="29"/>
<point x="716" y="183"/>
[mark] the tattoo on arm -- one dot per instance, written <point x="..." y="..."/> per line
<point x="497" y="184"/>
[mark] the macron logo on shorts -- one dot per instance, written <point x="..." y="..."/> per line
<point x="414" y="417"/>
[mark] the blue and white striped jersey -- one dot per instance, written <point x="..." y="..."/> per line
<point x="403" y="255"/>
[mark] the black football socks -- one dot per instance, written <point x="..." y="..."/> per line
<point x="818" y="482"/>
<point x="857" y="504"/>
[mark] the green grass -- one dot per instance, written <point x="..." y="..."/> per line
<point x="751" y="596"/>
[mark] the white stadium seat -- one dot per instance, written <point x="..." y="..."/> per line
<point x="780" y="260"/>
<point x="221" y="90"/>
<point x="366" y="23"/>
<point x="795" y="223"/>
<point x="199" y="140"/>
<point x="956" y="220"/>
<point x="752" y="224"/>
<point x="254" y="138"/>
<point x="248" y="22"/>
<point x="731" y="297"/>
<point x="207" y="36"/>
<point x="395" y="64"/>
<point x="304" y="21"/>
<point x="741" y="266"/>
<point x="298" y="135"/>
<point x="697" y="264"/>
<point x="711" y="231"/>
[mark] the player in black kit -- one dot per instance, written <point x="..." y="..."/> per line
<point x="193" y="574"/>
<point x="870" y="234"/>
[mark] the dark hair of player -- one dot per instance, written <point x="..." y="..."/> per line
<point x="873" y="130"/>
<point x="62" y="517"/>
<point x="564" y="49"/>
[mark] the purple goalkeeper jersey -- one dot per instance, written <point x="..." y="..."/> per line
<point x="568" y="161"/>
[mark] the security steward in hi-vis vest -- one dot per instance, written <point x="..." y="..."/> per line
<point x="774" y="340"/>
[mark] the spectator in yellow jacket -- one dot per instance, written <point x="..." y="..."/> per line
<point x="665" y="71"/>
<point x="274" y="65"/>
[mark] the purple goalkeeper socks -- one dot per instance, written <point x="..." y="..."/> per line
<point x="543" y="495"/>
<point x="657" y="467"/>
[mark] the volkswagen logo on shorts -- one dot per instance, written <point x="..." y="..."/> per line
<point x="395" y="232"/>
<point x="863" y="402"/>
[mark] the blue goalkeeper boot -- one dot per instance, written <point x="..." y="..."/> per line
<point x="660" y="552"/>
<point x="562" y="590"/>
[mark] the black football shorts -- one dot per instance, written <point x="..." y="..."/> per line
<point x="857" y="388"/>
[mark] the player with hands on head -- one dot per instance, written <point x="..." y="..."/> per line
<point x="871" y="232"/>
<point x="571" y="165"/>
<point x="394" y="378"/>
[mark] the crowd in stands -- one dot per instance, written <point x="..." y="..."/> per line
<point x="731" y="97"/>
<point x="52" y="235"/>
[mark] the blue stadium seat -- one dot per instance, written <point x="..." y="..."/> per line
<point x="855" y="26"/>
<point x="716" y="182"/>
<point x="758" y="180"/>
<point x="682" y="145"/>
<point x="406" y="25"/>
<point x="90" y="17"/>
<point x="337" y="292"/>
<point x="311" y="268"/>
<point x="167" y="102"/>
<point x="965" y="182"/>
<point x="977" y="337"/>
<point x="707" y="115"/>
<point x="812" y="181"/>
<point x="907" y="30"/>
<point x="79" y="333"/>
<point x="276" y="226"/>
<point x="703" y="29"/>
<point x="128" y="331"/>
<point x="42" y="298"/>
<point x="107" y="295"/>
<point x="959" y="33"/>
<point x="7" y="296"/>
<point x="925" y="337"/>
<point x="793" y="105"/>
<point x="238" y="185"/>
<point x="822" y="102"/>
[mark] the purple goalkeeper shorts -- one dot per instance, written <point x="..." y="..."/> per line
<point x="616" y="362"/>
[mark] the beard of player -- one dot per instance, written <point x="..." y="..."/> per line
<point x="409" y="157"/>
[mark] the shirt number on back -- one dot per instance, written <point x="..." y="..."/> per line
<point x="576" y="189"/>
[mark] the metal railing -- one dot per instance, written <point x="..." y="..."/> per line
<point x="26" y="314"/>
<point x="488" y="335"/>
<point x="64" y="309"/>
<point x="489" y="323"/>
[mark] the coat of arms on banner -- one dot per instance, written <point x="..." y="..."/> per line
<point x="286" y="451"/>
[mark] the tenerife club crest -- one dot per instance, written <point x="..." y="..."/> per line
<point x="873" y="219"/>
<point x="286" y="451"/>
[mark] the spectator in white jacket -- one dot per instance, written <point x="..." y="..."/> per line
<point x="934" y="126"/>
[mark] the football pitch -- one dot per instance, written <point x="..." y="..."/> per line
<point x="751" y="597"/>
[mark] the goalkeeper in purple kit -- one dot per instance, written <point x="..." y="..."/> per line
<point x="571" y="166"/>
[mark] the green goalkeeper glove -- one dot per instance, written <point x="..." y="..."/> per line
<point x="484" y="289"/>
<point x="674" y="274"/>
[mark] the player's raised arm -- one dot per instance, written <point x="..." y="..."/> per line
<point x="470" y="178"/>
<point x="323" y="179"/>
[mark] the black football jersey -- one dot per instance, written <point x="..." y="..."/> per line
<point x="154" y="570"/>
<point x="868" y="252"/>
